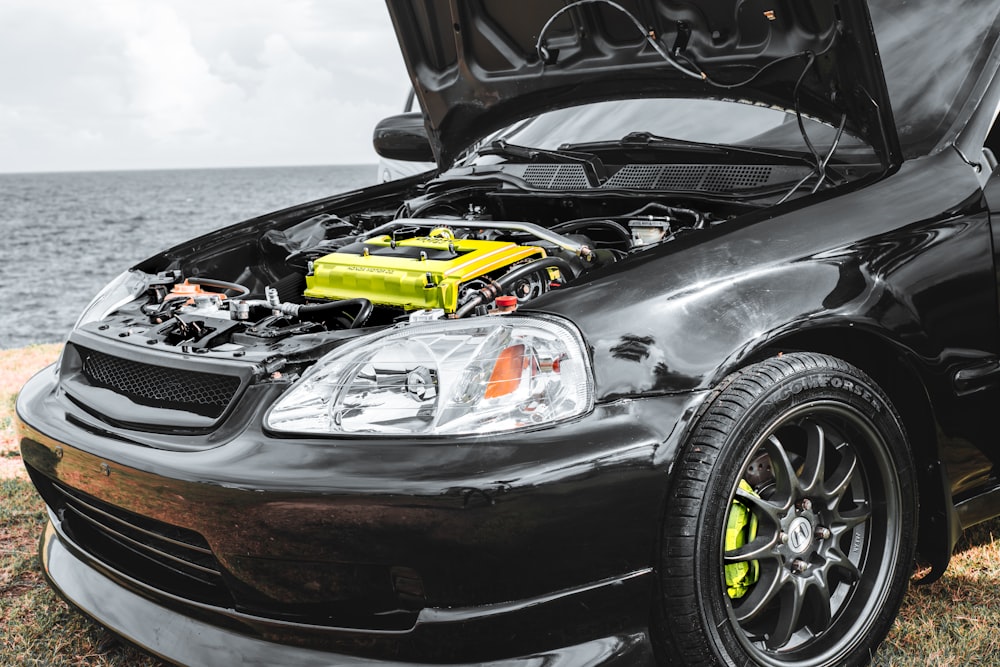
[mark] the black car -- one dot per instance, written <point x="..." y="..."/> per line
<point x="686" y="354"/>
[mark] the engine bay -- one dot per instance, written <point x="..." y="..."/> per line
<point x="437" y="256"/>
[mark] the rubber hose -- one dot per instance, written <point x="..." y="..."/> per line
<point x="320" y="308"/>
<point x="222" y="284"/>
<point x="509" y="278"/>
<point x="573" y="225"/>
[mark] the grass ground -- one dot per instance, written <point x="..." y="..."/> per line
<point x="37" y="629"/>
<point x="951" y="623"/>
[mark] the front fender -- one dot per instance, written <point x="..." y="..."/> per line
<point x="896" y="277"/>
<point x="908" y="257"/>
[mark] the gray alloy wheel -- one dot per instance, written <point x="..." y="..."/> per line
<point x="791" y="521"/>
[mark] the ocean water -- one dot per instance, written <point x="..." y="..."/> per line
<point x="63" y="236"/>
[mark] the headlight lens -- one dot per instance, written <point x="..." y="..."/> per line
<point x="477" y="376"/>
<point x="123" y="289"/>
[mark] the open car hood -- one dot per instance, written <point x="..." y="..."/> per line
<point x="480" y="65"/>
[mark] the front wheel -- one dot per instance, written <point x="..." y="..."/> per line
<point x="790" y="526"/>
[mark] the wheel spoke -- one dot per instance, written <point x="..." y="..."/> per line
<point x="840" y="479"/>
<point x="820" y="614"/>
<point x="854" y="517"/>
<point x="836" y="559"/>
<point x="772" y="578"/>
<point x="789" y="612"/>
<point x="770" y="511"/>
<point x="812" y="470"/>
<point x="760" y="547"/>
<point x="785" y="479"/>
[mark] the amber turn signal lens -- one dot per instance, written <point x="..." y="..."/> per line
<point x="506" y="376"/>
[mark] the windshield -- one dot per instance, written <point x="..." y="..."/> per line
<point x="700" y="120"/>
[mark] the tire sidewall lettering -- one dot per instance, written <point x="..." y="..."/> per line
<point x="794" y="388"/>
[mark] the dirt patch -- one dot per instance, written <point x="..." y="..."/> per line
<point x="16" y="366"/>
<point x="11" y="466"/>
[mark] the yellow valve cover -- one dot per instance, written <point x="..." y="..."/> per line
<point x="413" y="274"/>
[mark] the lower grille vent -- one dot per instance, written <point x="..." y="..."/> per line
<point x="172" y="559"/>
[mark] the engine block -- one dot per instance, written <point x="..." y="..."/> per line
<point x="414" y="273"/>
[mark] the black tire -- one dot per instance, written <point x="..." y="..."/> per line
<point x="834" y="497"/>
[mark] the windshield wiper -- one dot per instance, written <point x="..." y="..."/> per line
<point x="656" y="142"/>
<point x="592" y="165"/>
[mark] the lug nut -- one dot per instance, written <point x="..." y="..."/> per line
<point x="822" y="532"/>
<point x="799" y="566"/>
<point x="783" y="536"/>
<point x="806" y="505"/>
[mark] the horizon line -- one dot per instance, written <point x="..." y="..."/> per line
<point x="220" y="167"/>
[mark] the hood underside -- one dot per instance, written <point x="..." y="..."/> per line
<point x="480" y="65"/>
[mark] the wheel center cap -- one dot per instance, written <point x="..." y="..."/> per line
<point x="800" y="535"/>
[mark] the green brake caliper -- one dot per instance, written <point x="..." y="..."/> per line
<point x="741" y="529"/>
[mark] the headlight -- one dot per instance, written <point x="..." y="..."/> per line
<point x="476" y="376"/>
<point x="123" y="289"/>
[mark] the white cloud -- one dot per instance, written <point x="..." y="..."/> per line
<point x="173" y="90"/>
<point x="100" y="84"/>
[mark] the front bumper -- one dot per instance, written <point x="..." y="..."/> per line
<point x="185" y="639"/>
<point x="518" y="547"/>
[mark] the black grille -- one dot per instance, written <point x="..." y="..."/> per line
<point x="172" y="559"/>
<point x="711" y="178"/>
<point x="206" y="394"/>
<point x="557" y="176"/>
<point x="718" y="178"/>
<point x="690" y="177"/>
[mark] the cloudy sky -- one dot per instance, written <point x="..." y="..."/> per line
<point x="139" y="84"/>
